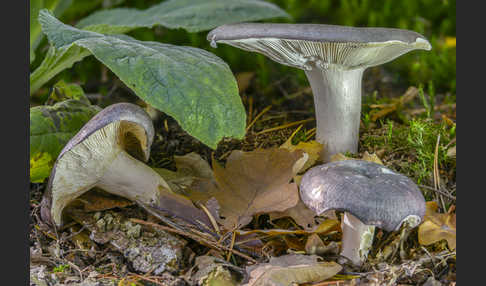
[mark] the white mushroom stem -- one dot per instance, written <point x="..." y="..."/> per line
<point x="122" y="175"/>
<point x="337" y="100"/>
<point x="357" y="239"/>
<point x="132" y="179"/>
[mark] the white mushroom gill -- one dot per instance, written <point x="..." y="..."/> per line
<point x="307" y="54"/>
<point x="100" y="160"/>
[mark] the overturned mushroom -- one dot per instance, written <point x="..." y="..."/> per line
<point x="106" y="153"/>
<point x="369" y="194"/>
<point x="333" y="58"/>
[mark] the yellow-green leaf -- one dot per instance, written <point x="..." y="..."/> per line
<point x="51" y="127"/>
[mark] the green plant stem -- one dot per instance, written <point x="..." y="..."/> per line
<point x="55" y="61"/>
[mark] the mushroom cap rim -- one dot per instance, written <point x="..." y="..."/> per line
<point x="107" y="116"/>
<point x="317" y="33"/>
<point x="378" y="224"/>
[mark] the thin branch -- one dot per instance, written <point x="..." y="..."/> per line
<point x="440" y="191"/>
<point x="197" y="238"/>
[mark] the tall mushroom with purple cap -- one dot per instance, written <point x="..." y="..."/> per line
<point x="370" y="196"/>
<point x="108" y="152"/>
<point x="333" y="58"/>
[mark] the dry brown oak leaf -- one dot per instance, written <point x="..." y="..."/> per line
<point x="312" y="148"/>
<point x="437" y="226"/>
<point x="291" y="269"/>
<point x="301" y="214"/>
<point x="251" y="183"/>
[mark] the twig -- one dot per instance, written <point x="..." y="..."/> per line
<point x="129" y="279"/>
<point x="329" y="283"/>
<point x="46" y="233"/>
<point x="211" y="218"/>
<point x="142" y="277"/>
<point x="299" y="93"/>
<point x="250" y="108"/>
<point x="436" y="170"/>
<point x="436" y="164"/>
<point x="66" y="226"/>
<point x="450" y="143"/>
<point x="436" y="108"/>
<point x="285" y="126"/>
<point x="432" y="258"/>
<point x="197" y="238"/>
<point x="225" y="154"/>
<point x="438" y="191"/>
<point x="233" y="237"/>
<point x="166" y="126"/>
<point x="310" y="133"/>
<point x="258" y="116"/>
<point x="295" y="132"/>
<point x="80" y="250"/>
<point x="74" y="234"/>
<point x="76" y="268"/>
<point x="251" y="239"/>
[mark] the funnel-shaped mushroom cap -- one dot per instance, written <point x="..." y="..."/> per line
<point x="307" y="45"/>
<point x="130" y="113"/>
<point x="98" y="155"/>
<point x="374" y="194"/>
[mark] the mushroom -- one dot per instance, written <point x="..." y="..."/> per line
<point x="106" y="153"/>
<point x="333" y="58"/>
<point x="370" y="196"/>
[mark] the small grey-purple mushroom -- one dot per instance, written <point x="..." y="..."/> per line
<point x="369" y="194"/>
<point x="106" y="153"/>
<point x="333" y="58"/>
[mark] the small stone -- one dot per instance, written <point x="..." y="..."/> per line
<point x="101" y="224"/>
<point x="109" y="221"/>
<point x="148" y="250"/>
<point x="133" y="230"/>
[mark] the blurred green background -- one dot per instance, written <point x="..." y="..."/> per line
<point x="435" y="19"/>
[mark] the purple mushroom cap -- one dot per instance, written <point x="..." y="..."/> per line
<point x="371" y="192"/>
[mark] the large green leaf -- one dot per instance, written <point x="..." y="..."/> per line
<point x="57" y="60"/>
<point x="56" y="6"/>
<point x="51" y="127"/>
<point x="194" y="86"/>
<point x="192" y="15"/>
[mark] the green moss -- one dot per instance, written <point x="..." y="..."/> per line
<point x="416" y="141"/>
<point x="61" y="268"/>
<point x="300" y="136"/>
<point x="422" y="138"/>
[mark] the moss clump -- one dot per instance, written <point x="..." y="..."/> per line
<point x="412" y="146"/>
<point x="422" y="138"/>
